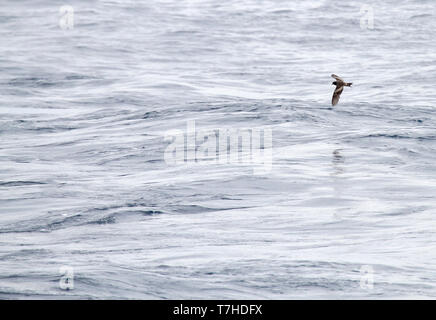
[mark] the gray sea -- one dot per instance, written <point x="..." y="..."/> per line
<point x="94" y="96"/>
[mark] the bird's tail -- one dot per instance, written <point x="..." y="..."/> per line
<point x="348" y="84"/>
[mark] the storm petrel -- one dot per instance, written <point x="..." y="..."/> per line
<point x="340" y="84"/>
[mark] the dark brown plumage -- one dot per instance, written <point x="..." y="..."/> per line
<point x="340" y="84"/>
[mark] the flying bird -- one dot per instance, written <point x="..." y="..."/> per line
<point x="340" y="84"/>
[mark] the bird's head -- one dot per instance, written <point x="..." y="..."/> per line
<point x="334" y="83"/>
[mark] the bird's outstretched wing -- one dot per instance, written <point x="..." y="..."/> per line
<point x="337" y="94"/>
<point x="337" y="78"/>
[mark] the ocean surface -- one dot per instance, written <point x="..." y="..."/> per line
<point x="89" y="100"/>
